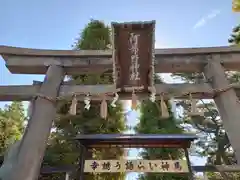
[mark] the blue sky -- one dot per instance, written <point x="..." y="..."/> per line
<point x="54" y="24"/>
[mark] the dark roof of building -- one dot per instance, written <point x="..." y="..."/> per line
<point x="136" y="140"/>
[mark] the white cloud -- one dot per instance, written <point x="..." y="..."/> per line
<point x="213" y="14"/>
<point x="200" y="23"/>
<point x="206" y="18"/>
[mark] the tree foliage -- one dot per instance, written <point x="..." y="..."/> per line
<point x="95" y="36"/>
<point x="236" y="5"/>
<point x="151" y="122"/>
<point x="235" y="36"/>
<point x="11" y="125"/>
<point x="63" y="151"/>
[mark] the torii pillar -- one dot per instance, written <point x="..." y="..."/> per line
<point x="34" y="141"/>
<point x="227" y="102"/>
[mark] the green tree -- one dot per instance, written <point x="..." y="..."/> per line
<point x="235" y="36"/>
<point x="236" y="5"/>
<point x="152" y="123"/>
<point x="95" y="36"/>
<point x="61" y="151"/>
<point x="11" y="125"/>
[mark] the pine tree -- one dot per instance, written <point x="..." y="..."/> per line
<point x="61" y="151"/>
<point x="235" y="36"/>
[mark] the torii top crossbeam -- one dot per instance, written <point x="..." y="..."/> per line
<point x="36" y="61"/>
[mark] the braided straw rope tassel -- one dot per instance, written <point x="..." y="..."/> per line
<point x="194" y="111"/>
<point x="152" y="74"/>
<point x="134" y="101"/>
<point x="73" y="107"/>
<point x="152" y="97"/>
<point x="87" y="102"/>
<point x="115" y="70"/>
<point x="104" y="108"/>
<point x="116" y="96"/>
<point x="164" y="108"/>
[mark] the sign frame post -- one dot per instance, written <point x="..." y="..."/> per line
<point x="182" y="141"/>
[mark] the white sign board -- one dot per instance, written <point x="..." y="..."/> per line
<point x="161" y="166"/>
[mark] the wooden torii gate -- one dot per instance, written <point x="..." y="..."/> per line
<point x="139" y="62"/>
